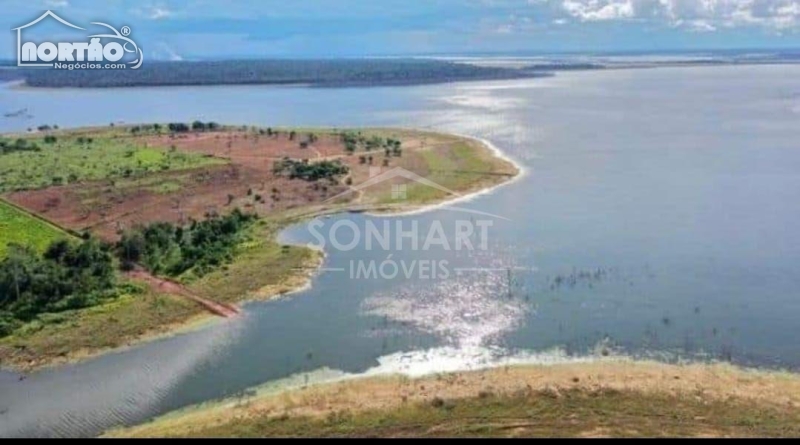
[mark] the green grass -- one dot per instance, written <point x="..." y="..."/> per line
<point x="55" y="338"/>
<point x="166" y="187"/>
<point x="159" y="184"/>
<point x="68" y="161"/>
<point x="260" y="266"/>
<point x="574" y="413"/>
<point x="460" y="167"/>
<point x="19" y="228"/>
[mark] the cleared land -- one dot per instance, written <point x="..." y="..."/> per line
<point x="17" y="227"/>
<point x="243" y="177"/>
<point x="154" y="174"/>
<point x="604" y="399"/>
<point x="72" y="158"/>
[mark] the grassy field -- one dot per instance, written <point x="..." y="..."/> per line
<point x="19" y="228"/>
<point x="65" y="337"/>
<point x="460" y="165"/>
<point x="601" y="399"/>
<point x="263" y="268"/>
<point x="575" y="413"/>
<point x="73" y="158"/>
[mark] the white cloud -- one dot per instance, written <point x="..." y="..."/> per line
<point x="153" y="12"/>
<point x="56" y="3"/>
<point x="165" y="52"/>
<point x="599" y="10"/>
<point x="697" y="15"/>
<point x="157" y="13"/>
<point x="512" y="24"/>
<point x="697" y="25"/>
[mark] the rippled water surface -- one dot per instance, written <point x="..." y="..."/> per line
<point x="657" y="217"/>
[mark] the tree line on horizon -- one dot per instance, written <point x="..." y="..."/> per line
<point x="338" y="72"/>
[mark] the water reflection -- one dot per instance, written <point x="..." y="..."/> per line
<point x="657" y="220"/>
<point x="68" y="401"/>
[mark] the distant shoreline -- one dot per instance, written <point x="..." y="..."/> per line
<point x="338" y="73"/>
<point x="362" y="73"/>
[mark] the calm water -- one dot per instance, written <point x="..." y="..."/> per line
<point x="656" y="218"/>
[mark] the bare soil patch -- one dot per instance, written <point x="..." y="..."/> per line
<point x="248" y="182"/>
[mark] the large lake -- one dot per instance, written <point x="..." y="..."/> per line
<point x="658" y="217"/>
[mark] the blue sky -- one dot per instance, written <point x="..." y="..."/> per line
<point x="186" y="29"/>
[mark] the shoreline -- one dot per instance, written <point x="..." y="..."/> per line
<point x="299" y="282"/>
<point x="521" y="172"/>
<point x="708" y="383"/>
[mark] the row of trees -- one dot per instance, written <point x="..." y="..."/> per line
<point x="354" y="140"/>
<point x="66" y="276"/>
<point x="329" y="73"/>
<point x="167" y="249"/>
<point x="177" y="127"/>
<point x="8" y="146"/>
<point x="73" y="275"/>
<point x="310" y="171"/>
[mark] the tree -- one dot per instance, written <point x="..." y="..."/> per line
<point x="131" y="247"/>
<point x="67" y="276"/>
<point x="178" y="127"/>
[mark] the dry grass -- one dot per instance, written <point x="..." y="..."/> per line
<point x="262" y="269"/>
<point x="619" y="399"/>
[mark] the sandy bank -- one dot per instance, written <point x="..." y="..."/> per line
<point x="711" y="383"/>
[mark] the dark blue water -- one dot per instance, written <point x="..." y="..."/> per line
<point x="656" y="218"/>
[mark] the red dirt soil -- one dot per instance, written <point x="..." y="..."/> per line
<point x="173" y="288"/>
<point x="106" y="207"/>
<point x="243" y="147"/>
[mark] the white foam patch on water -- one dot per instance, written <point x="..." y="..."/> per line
<point x="473" y="358"/>
<point x="424" y="363"/>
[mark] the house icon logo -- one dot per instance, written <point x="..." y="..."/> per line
<point x="114" y="50"/>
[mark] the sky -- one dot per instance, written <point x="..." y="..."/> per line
<point x="213" y="29"/>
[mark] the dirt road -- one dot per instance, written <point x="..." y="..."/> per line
<point x="173" y="288"/>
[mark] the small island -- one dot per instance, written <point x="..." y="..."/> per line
<point x="117" y="235"/>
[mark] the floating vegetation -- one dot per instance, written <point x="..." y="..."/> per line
<point x="587" y="278"/>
